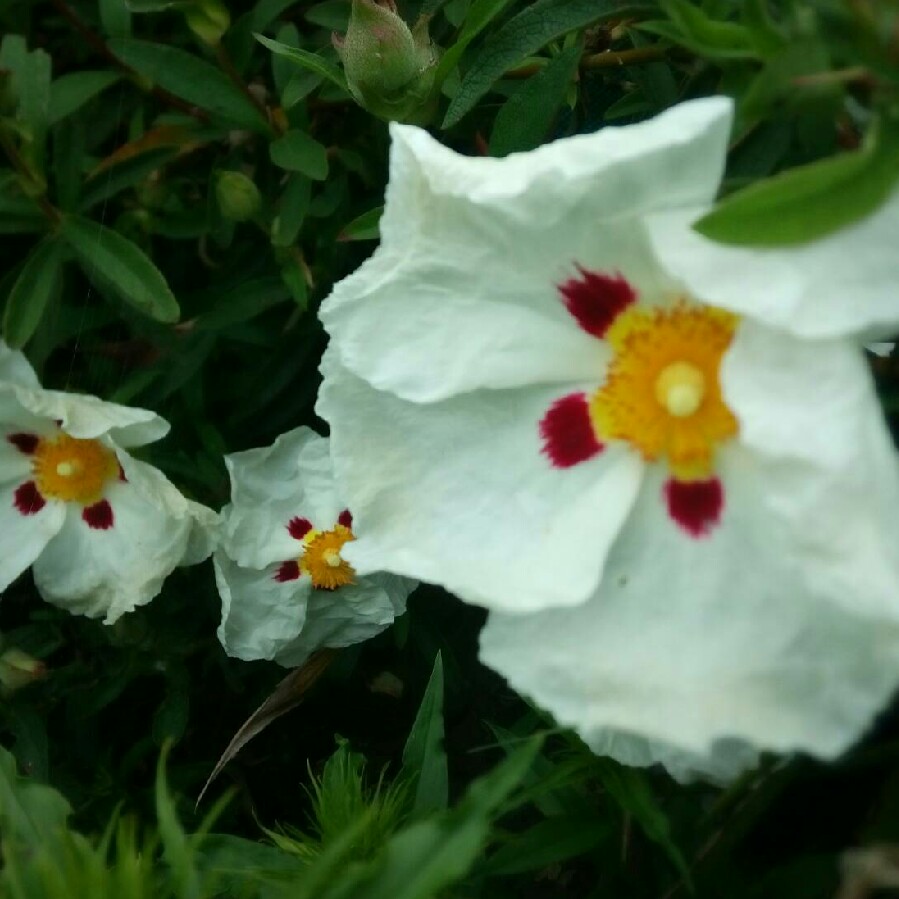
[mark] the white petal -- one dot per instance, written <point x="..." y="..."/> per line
<point x="15" y="368"/>
<point x="726" y="760"/>
<point x="204" y="534"/>
<point x="270" y="486"/>
<point x="691" y="642"/>
<point x="840" y="284"/>
<point x="261" y="617"/>
<point x="110" y="572"/>
<point x="86" y="417"/>
<point x="458" y="493"/>
<point x="346" y="616"/>
<point x="15" y="466"/>
<point x="809" y="413"/>
<point x="23" y="537"/>
<point x="462" y="294"/>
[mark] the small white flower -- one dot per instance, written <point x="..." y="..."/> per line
<point x="683" y="521"/>
<point x="102" y="529"/>
<point x="286" y="588"/>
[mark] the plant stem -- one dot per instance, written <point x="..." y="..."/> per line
<point x="9" y="148"/>
<point x="228" y="67"/>
<point x="613" y="58"/>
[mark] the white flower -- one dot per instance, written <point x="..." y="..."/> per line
<point x="683" y="521"/>
<point x="286" y="589"/>
<point x="102" y="529"/>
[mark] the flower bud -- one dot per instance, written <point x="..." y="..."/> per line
<point x="389" y="68"/>
<point x="18" y="670"/>
<point x="237" y="196"/>
<point x="208" y="20"/>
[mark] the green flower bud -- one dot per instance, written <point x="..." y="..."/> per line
<point x="208" y="20"/>
<point x="18" y="670"/>
<point x="389" y="68"/>
<point x="238" y="198"/>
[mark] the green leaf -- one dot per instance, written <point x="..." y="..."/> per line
<point x="553" y="840"/>
<point x="30" y="812"/>
<point x="71" y="92"/>
<point x="424" y="758"/>
<point x="331" y="14"/>
<point x="115" y="18"/>
<point x="524" y="119"/>
<point x="690" y="27"/>
<point x="630" y="789"/>
<point x="292" y="209"/>
<point x="810" y="201"/>
<point x="18" y="213"/>
<point x="117" y="263"/>
<point x="296" y="151"/>
<point x="480" y="15"/>
<point x="307" y="60"/>
<point x="363" y="227"/>
<point x="534" y="27"/>
<point x="37" y="283"/>
<point x="192" y="79"/>
<point x="31" y="73"/>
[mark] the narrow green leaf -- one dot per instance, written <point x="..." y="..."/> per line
<point x="71" y="92"/>
<point x="36" y="285"/>
<point x="534" y="27"/>
<point x="813" y="200"/>
<point x="480" y="15"/>
<point x="115" y="17"/>
<point x="524" y="119"/>
<point x="296" y="151"/>
<point x="292" y="209"/>
<point x="122" y="266"/>
<point x="424" y="758"/>
<point x="18" y="213"/>
<point x="31" y="73"/>
<point x="363" y="227"/>
<point x="307" y="60"/>
<point x="690" y="27"/>
<point x="192" y="79"/>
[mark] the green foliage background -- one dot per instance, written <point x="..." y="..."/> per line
<point x="175" y="201"/>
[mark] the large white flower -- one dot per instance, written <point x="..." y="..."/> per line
<point x="102" y="529"/>
<point x="683" y="520"/>
<point x="286" y="588"/>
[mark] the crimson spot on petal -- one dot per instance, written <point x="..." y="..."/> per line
<point x="287" y="571"/>
<point x="345" y="518"/>
<point x="27" y="499"/>
<point x="596" y="299"/>
<point x="23" y="442"/>
<point x="98" y="516"/>
<point x="567" y="432"/>
<point x="299" y="527"/>
<point x="695" y="505"/>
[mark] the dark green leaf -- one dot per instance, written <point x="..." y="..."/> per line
<point x="307" y="60"/>
<point x="31" y="72"/>
<point x="71" y="92"/>
<point x="191" y="78"/>
<point x="37" y="283"/>
<point x="534" y="27"/>
<point x="424" y="758"/>
<point x="296" y="151"/>
<point x="524" y="119"/>
<point x="115" y="18"/>
<point x="292" y="209"/>
<point x="363" y="227"/>
<point x="121" y="266"/>
<point x="813" y="200"/>
<point x="689" y="26"/>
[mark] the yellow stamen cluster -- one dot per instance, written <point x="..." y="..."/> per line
<point x="73" y="470"/>
<point x="663" y="393"/>
<point x="322" y="561"/>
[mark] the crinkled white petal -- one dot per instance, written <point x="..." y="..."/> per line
<point x="15" y="368"/>
<point x="809" y="413"/>
<point x="459" y="493"/>
<point x="726" y="760"/>
<point x="843" y="283"/>
<point x="84" y="416"/>
<point x="462" y="293"/>
<point x="204" y="534"/>
<point x="348" y="615"/>
<point x="261" y="617"/>
<point x="110" y="572"/>
<point x="23" y="537"/>
<point x="269" y="487"/>
<point x="14" y="464"/>
<point x="691" y="642"/>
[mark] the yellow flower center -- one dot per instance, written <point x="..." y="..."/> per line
<point x="322" y="561"/>
<point x="73" y="470"/>
<point x="663" y="393"/>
